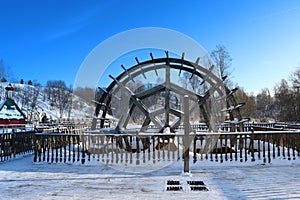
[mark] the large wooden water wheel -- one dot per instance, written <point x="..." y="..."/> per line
<point x="148" y="96"/>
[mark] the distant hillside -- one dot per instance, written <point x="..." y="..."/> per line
<point x="56" y="102"/>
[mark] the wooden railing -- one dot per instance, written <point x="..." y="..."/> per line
<point x="229" y="127"/>
<point x="70" y="143"/>
<point x="260" y="146"/>
<point x="16" y="143"/>
<point x="70" y="128"/>
<point x="57" y="147"/>
<point x="18" y="139"/>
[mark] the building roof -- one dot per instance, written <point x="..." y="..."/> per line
<point x="10" y="110"/>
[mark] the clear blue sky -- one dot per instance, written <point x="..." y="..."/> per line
<point x="48" y="40"/>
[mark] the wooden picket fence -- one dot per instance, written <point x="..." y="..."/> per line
<point x="16" y="139"/>
<point x="16" y="143"/>
<point x="135" y="149"/>
<point x="72" y="143"/>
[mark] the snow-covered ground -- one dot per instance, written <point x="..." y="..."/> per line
<point x="22" y="179"/>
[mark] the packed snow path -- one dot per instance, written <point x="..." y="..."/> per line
<point x="23" y="179"/>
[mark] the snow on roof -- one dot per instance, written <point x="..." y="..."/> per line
<point x="10" y="110"/>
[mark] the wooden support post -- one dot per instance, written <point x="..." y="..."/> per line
<point x="137" y="138"/>
<point x="167" y="95"/>
<point x="186" y="134"/>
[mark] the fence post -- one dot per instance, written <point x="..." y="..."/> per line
<point x="186" y="134"/>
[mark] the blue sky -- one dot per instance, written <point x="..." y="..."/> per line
<point x="48" y="40"/>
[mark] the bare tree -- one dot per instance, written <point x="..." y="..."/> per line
<point x="222" y="59"/>
<point x="194" y="82"/>
<point x="24" y="96"/>
<point x="35" y="94"/>
<point x="295" y="78"/>
<point x="60" y="96"/>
